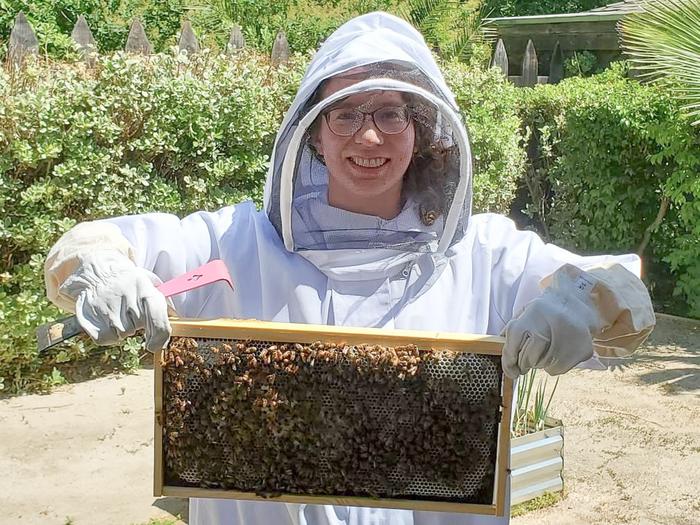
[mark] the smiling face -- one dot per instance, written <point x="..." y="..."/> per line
<point x="365" y="169"/>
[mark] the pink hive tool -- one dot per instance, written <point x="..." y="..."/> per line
<point x="206" y="274"/>
<point x="55" y="332"/>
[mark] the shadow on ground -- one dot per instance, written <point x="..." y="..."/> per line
<point x="178" y="507"/>
<point x="673" y="342"/>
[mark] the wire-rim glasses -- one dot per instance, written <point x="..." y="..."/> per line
<point x="390" y="120"/>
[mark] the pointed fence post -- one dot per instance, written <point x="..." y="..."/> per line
<point x="280" y="50"/>
<point x="500" y="58"/>
<point x="236" y="40"/>
<point x="188" y="40"/>
<point x="556" y="65"/>
<point x="529" y="75"/>
<point x="87" y="47"/>
<point x="23" y="41"/>
<point x="137" y="42"/>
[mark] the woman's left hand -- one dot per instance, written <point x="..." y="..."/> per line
<point x="554" y="331"/>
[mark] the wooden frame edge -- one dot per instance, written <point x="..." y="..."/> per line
<point x="298" y="333"/>
<point x="503" y="459"/>
<point x="158" y="471"/>
<point x="433" y="506"/>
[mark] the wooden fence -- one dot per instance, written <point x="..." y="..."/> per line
<point x="530" y="65"/>
<point x="23" y="42"/>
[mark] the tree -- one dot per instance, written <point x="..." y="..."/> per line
<point x="453" y="28"/>
<point x="663" y="42"/>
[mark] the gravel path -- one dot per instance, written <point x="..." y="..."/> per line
<point x="632" y="437"/>
<point x="83" y="455"/>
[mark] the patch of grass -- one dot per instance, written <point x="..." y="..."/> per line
<point x="540" y="502"/>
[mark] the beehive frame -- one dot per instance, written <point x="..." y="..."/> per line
<point x="301" y="333"/>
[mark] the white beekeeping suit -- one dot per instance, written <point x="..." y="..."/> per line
<point x="431" y="267"/>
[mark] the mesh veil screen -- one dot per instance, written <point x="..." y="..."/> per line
<point x="327" y="419"/>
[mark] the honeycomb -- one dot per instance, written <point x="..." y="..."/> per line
<point x="375" y="421"/>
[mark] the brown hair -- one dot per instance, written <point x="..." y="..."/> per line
<point x="426" y="178"/>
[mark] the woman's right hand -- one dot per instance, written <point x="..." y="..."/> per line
<point x="114" y="298"/>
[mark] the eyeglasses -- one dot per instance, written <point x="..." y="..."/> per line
<point x="391" y="120"/>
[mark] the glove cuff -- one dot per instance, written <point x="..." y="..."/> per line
<point x="621" y="315"/>
<point x="65" y="257"/>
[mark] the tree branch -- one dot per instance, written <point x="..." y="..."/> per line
<point x="654" y="225"/>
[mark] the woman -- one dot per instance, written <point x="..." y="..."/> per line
<point x="367" y="222"/>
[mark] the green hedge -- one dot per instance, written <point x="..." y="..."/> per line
<point x="168" y="134"/>
<point x="134" y="136"/>
<point x="489" y="106"/>
<point x="611" y="154"/>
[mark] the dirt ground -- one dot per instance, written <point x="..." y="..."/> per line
<point x="84" y="454"/>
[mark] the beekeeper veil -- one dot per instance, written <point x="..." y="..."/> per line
<point x="372" y="54"/>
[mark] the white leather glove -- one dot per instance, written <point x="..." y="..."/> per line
<point x="114" y="298"/>
<point x="555" y="331"/>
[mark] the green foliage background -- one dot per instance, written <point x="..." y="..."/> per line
<point x="489" y="106"/>
<point x="178" y="134"/>
<point x="611" y="150"/>
<point x="306" y="23"/>
<point x="543" y="7"/>
<point x="166" y="133"/>
<point x="53" y="21"/>
<point x="132" y="136"/>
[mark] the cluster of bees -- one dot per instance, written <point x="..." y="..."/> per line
<point x="330" y="419"/>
